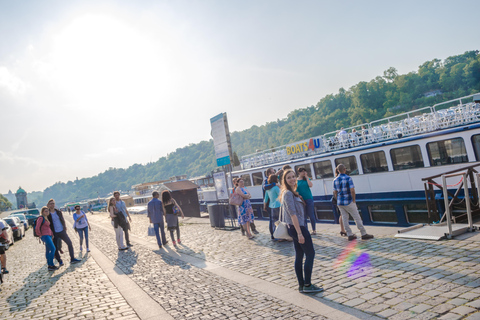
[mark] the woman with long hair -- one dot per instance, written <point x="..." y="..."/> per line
<point x="294" y="216"/>
<point x="43" y="230"/>
<point x="117" y="223"/>
<point x="82" y="226"/>
<point x="172" y="209"/>
<point x="245" y="210"/>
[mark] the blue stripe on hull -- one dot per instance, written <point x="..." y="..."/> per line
<point x="397" y="199"/>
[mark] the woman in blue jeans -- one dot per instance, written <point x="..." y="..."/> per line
<point x="82" y="226"/>
<point x="271" y="197"/>
<point x="42" y="229"/>
<point x="294" y="215"/>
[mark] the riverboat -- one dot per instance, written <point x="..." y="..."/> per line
<point x="386" y="159"/>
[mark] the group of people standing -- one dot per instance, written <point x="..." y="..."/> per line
<point x="291" y="193"/>
<point x="161" y="211"/>
<point x="51" y="229"/>
<point x="158" y="212"/>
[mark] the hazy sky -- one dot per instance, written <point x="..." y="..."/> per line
<point x="88" y="85"/>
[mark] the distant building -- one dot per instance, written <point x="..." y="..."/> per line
<point x="21" y="196"/>
<point x="10" y="197"/>
<point x="432" y="93"/>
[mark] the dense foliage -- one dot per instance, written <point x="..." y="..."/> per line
<point x="383" y="96"/>
<point x="4" y="204"/>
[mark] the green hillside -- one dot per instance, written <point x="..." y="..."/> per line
<point x="383" y="96"/>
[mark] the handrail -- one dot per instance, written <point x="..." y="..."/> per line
<point x="450" y="172"/>
<point x="405" y="124"/>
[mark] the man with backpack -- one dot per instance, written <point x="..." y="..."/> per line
<point x="59" y="229"/>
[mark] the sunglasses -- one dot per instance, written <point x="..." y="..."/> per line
<point x="77" y="208"/>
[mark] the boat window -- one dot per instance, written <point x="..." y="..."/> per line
<point x="476" y="145"/>
<point x="447" y="152"/>
<point x="418" y="213"/>
<point x="407" y="158"/>
<point x="323" y="169"/>
<point x="257" y="178"/>
<point x="383" y="213"/>
<point x="306" y="166"/>
<point x="350" y="163"/>
<point x="374" y="162"/>
<point x="246" y="179"/>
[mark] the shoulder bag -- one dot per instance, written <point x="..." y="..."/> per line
<point x="235" y="199"/>
<point x="281" y="230"/>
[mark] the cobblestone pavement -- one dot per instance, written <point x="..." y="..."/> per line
<point x="391" y="278"/>
<point x="80" y="291"/>
<point x="187" y="292"/>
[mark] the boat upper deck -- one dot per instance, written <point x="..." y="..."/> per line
<point x="441" y="116"/>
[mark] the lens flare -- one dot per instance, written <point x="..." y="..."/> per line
<point x="353" y="261"/>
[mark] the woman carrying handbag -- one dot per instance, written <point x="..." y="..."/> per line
<point x="172" y="211"/>
<point x="294" y="214"/>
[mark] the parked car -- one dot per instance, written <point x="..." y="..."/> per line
<point x="9" y="234"/>
<point x="22" y="218"/>
<point x="17" y="227"/>
<point x="30" y="214"/>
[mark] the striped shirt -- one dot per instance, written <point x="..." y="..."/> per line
<point x="342" y="184"/>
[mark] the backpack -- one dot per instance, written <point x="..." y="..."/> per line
<point x="35" y="224"/>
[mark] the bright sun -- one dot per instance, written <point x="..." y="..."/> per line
<point x="100" y="59"/>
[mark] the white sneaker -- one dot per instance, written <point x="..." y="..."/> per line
<point x="81" y="249"/>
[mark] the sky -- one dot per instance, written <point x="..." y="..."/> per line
<point x="89" y="85"/>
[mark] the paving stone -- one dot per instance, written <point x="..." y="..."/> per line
<point x="474" y="304"/>
<point x="420" y="308"/>
<point x="463" y="310"/>
<point x="475" y="316"/>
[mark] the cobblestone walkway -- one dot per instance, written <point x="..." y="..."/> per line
<point x="401" y="279"/>
<point x="386" y="277"/>
<point x="187" y="292"/>
<point x="80" y="291"/>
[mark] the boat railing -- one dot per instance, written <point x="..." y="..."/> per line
<point x="440" y="116"/>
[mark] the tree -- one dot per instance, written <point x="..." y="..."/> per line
<point x="4" y="203"/>
<point x="236" y="162"/>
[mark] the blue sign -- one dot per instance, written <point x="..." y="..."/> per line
<point x="223" y="161"/>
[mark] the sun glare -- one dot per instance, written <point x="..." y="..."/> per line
<point x="100" y="59"/>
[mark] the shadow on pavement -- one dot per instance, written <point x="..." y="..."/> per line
<point x="36" y="284"/>
<point x="126" y="260"/>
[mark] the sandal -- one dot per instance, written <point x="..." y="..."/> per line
<point x="343" y="234"/>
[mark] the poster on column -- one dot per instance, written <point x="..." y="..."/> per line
<point x="221" y="185"/>
<point x="221" y="139"/>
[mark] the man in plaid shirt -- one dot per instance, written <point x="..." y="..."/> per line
<point x="344" y="191"/>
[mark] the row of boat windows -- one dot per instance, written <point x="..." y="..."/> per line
<point x="380" y="213"/>
<point x="440" y="153"/>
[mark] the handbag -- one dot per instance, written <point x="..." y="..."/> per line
<point x="176" y="210"/>
<point x="281" y="231"/>
<point x="151" y="230"/>
<point x="235" y="199"/>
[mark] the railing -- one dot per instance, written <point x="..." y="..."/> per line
<point x="468" y="205"/>
<point x="427" y="119"/>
